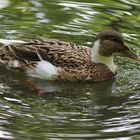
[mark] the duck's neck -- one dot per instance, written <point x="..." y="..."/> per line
<point x="98" y="58"/>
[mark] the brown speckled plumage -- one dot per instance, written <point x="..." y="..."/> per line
<point x="74" y="61"/>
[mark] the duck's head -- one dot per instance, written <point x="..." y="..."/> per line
<point x="106" y="44"/>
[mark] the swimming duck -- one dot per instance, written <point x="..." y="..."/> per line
<point x="59" y="60"/>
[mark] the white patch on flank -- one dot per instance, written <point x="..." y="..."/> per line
<point x="14" y="63"/>
<point x="98" y="58"/>
<point x="9" y="42"/>
<point x="43" y="70"/>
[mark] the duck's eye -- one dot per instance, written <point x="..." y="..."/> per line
<point x="115" y="39"/>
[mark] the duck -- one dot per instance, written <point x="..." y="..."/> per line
<point x="56" y="60"/>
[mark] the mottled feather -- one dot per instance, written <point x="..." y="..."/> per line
<point x="74" y="62"/>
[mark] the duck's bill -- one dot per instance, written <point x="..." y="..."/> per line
<point x="130" y="54"/>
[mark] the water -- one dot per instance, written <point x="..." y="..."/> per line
<point x="71" y="111"/>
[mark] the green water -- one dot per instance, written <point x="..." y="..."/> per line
<point x="71" y="111"/>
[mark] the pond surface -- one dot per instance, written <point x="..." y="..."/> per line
<point x="71" y="111"/>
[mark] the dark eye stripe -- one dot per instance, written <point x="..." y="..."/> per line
<point x="118" y="40"/>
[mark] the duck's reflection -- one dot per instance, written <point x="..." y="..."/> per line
<point x="97" y="90"/>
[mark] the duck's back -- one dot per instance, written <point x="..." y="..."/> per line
<point x="56" y="52"/>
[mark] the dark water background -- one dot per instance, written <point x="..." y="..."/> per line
<point x="71" y="111"/>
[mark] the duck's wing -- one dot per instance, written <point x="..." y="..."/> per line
<point x="59" y="53"/>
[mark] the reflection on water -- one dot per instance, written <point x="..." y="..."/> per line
<point x="4" y="4"/>
<point x="105" y="110"/>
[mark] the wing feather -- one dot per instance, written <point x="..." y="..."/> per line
<point x="58" y="53"/>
